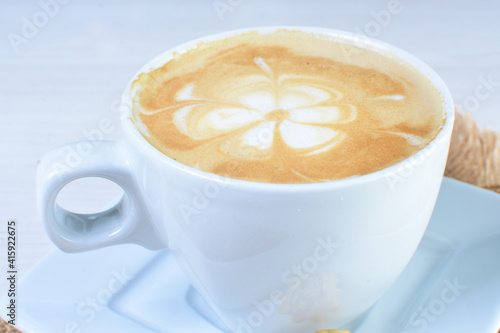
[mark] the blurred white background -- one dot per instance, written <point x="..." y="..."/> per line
<point x="64" y="63"/>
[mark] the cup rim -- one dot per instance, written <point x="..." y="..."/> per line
<point x="443" y="136"/>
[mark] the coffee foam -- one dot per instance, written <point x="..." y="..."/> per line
<point x="286" y="107"/>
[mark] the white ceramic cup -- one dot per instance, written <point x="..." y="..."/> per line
<point x="266" y="257"/>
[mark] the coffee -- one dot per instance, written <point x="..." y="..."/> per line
<point x="286" y="107"/>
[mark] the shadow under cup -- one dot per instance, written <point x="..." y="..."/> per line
<point x="273" y="257"/>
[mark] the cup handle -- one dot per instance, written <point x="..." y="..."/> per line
<point x="127" y="221"/>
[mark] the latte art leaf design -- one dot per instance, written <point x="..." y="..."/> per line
<point x="285" y="107"/>
<point x="295" y="108"/>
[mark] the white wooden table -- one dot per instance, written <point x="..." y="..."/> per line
<point x="64" y="64"/>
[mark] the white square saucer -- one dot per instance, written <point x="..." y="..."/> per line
<point x="451" y="285"/>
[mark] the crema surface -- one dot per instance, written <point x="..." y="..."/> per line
<point x="286" y="107"/>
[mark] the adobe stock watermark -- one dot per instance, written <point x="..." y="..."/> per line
<point x="32" y="25"/>
<point x="420" y="320"/>
<point x="409" y="166"/>
<point x="204" y="195"/>
<point x="221" y="7"/>
<point x="89" y="308"/>
<point x="380" y="20"/>
<point x="75" y="153"/>
<point x="300" y="286"/>
<point x="486" y="87"/>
